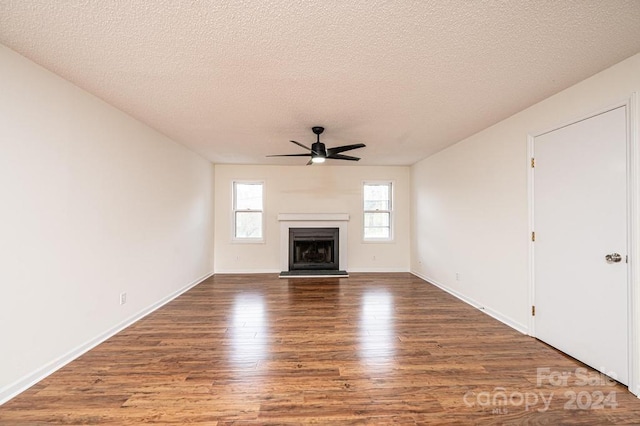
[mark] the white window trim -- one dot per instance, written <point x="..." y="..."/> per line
<point x="238" y="240"/>
<point x="391" y="184"/>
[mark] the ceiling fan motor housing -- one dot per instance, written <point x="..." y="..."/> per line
<point x="319" y="149"/>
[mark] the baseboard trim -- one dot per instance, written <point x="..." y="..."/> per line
<point x="247" y="272"/>
<point x="379" y="270"/>
<point x="12" y="390"/>
<point x="492" y="313"/>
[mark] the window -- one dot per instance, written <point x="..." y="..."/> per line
<point x="247" y="210"/>
<point x="377" y="211"/>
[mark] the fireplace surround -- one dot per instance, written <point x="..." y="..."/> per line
<point x="314" y="220"/>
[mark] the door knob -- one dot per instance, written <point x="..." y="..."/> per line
<point x="613" y="258"/>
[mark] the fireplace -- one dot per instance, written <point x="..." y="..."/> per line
<point x="314" y="248"/>
<point x="313" y="221"/>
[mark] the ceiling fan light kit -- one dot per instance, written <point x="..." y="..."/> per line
<point x="319" y="152"/>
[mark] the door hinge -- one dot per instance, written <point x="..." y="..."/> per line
<point x="533" y="311"/>
<point x="533" y="236"/>
<point x="533" y="162"/>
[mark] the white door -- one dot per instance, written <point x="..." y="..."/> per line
<point x="580" y="217"/>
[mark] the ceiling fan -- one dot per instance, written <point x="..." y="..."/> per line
<point x="319" y="153"/>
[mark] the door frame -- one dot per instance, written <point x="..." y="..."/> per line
<point x="633" y="229"/>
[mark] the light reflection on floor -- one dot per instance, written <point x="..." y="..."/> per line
<point x="377" y="342"/>
<point x="248" y="331"/>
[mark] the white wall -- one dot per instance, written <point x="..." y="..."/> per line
<point x="93" y="203"/>
<point x="310" y="189"/>
<point x="470" y="202"/>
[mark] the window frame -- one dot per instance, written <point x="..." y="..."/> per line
<point x="234" y="211"/>
<point x="390" y="238"/>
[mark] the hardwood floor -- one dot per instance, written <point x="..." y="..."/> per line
<point x="370" y="349"/>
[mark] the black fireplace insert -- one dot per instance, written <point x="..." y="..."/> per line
<point x="313" y="248"/>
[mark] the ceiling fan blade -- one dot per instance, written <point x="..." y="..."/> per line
<point x="310" y="149"/>
<point x="344" y="148"/>
<point x="303" y="146"/>
<point x="343" y="157"/>
<point x="290" y="155"/>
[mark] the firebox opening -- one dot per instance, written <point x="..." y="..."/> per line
<point x="313" y="248"/>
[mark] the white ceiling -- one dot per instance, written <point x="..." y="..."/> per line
<point x="236" y="80"/>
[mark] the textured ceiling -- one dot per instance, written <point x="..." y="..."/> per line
<point x="235" y="80"/>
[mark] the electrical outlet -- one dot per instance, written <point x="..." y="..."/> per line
<point x="457" y="276"/>
<point x="123" y="298"/>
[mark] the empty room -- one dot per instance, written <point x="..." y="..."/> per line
<point x="298" y="212"/>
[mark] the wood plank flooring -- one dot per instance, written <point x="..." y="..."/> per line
<point x="369" y="349"/>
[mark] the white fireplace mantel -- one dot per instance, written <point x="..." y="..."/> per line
<point x="313" y="220"/>
<point x="311" y="217"/>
